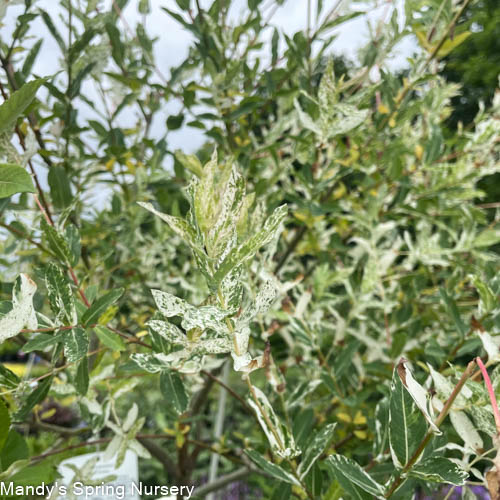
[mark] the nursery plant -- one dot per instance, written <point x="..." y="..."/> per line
<point x="305" y="307"/>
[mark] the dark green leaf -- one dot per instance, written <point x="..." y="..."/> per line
<point x="42" y="341"/>
<point x="53" y="30"/>
<point x="82" y="377"/>
<point x="31" y="57"/>
<point x="174" y="122"/>
<point x="407" y="426"/>
<point x="452" y="309"/>
<point x="37" y="396"/>
<point x="35" y="475"/>
<point x="4" y="423"/>
<point x="99" y="306"/>
<point x="8" y="378"/>
<point x="15" y="448"/>
<point x="60" y="190"/>
<point x="173" y="391"/>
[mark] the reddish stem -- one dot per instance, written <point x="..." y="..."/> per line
<point x="47" y="218"/>
<point x="491" y="393"/>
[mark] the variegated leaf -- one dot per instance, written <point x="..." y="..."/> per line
<point x="22" y="315"/>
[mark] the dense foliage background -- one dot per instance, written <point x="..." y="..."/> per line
<point x="295" y="310"/>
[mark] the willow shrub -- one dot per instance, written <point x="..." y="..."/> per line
<point x="325" y="256"/>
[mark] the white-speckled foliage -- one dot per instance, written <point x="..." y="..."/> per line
<point x="300" y="303"/>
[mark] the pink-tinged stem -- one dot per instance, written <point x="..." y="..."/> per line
<point x="47" y="218"/>
<point x="491" y="392"/>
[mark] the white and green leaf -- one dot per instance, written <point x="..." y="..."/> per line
<point x="22" y="315"/>
<point x="353" y="478"/>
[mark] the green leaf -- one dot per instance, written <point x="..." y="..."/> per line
<point x="53" y="30"/>
<point x="451" y="44"/>
<point x="4" y="423"/>
<point x="452" y="309"/>
<point x="183" y="4"/>
<point x="174" y="122"/>
<point x="8" y="378"/>
<point x="178" y="225"/>
<point x="60" y="295"/>
<point x="439" y="470"/>
<point x="247" y="250"/>
<point x="99" y="306"/>
<point x="487" y="296"/>
<point x="407" y="426"/>
<point x="487" y="238"/>
<point x="272" y="469"/>
<point x="352" y="477"/>
<point x="433" y="145"/>
<point x="42" y="341"/>
<point x="190" y="162"/>
<point x="15" y="449"/>
<point x="173" y="391"/>
<point x="82" y="377"/>
<point x="144" y="7"/>
<point x="109" y="339"/>
<point x="60" y="189"/>
<point x="31" y="57"/>
<point x="37" y="396"/>
<point x="76" y="344"/>
<point x="73" y="239"/>
<point x="56" y="242"/>
<point x="14" y="107"/>
<point x="317" y="445"/>
<point x="14" y="179"/>
<point x="314" y="481"/>
<point x="118" y="50"/>
<point x="35" y="475"/>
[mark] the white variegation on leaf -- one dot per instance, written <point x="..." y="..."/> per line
<point x="22" y="315"/>
<point x="246" y="364"/>
<point x="182" y="360"/>
<point x="444" y="388"/>
<point x="178" y="226"/>
<point x="491" y="346"/>
<point x="168" y="331"/>
<point x="222" y="236"/>
<point x="192" y="317"/>
<point x="279" y="437"/>
<point x="263" y="301"/>
<point x="418" y="394"/>
<point x="466" y="430"/>
<point x="124" y="437"/>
